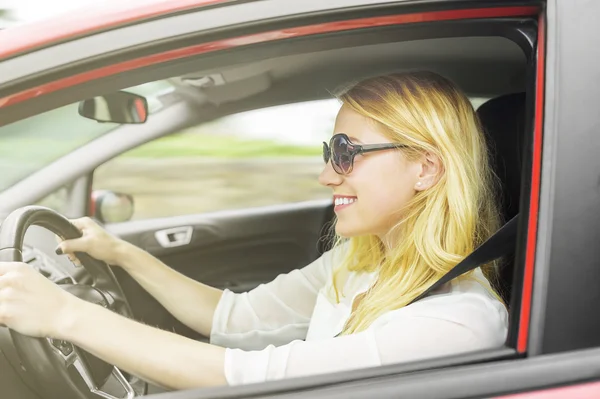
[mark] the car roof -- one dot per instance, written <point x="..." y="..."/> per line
<point x="90" y="19"/>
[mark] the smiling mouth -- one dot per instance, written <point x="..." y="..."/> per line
<point x="344" y="202"/>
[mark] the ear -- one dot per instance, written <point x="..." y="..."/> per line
<point x="430" y="173"/>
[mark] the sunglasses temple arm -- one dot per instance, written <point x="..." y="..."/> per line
<point x="376" y="147"/>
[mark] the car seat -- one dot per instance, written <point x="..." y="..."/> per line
<point x="503" y="122"/>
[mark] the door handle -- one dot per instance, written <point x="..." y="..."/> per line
<point x="175" y="237"/>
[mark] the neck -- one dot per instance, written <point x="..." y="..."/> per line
<point x="389" y="241"/>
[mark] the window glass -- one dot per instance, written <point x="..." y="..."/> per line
<point x="58" y="200"/>
<point x="33" y="143"/>
<point x="256" y="158"/>
<point x="478" y="101"/>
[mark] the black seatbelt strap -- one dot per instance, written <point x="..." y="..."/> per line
<point x="499" y="244"/>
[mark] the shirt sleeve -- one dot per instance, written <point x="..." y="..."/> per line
<point x="401" y="340"/>
<point x="274" y="313"/>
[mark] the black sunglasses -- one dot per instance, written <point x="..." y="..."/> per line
<point x="342" y="151"/>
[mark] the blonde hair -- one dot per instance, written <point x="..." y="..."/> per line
<point x="440" y="225"/>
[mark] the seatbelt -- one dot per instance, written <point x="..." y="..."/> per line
<point x="499" y="244"/>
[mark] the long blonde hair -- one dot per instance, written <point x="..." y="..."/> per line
<point x="440" y="225"/>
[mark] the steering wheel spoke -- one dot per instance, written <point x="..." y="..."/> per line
<point x="72" y="358"/>
<point x="64" y="350"/>
<point x="84" y="371"/>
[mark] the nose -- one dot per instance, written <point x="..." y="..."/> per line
<point x="329" y="177"/>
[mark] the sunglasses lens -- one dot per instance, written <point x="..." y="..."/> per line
<point x="341" y="158"/>
<point x="325" y="152"/>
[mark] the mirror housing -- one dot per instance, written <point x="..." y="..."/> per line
<point x="120" y="107"/>
<point x="111" y="207"/>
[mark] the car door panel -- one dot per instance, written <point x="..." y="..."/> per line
<point x="241" y="266"/>
<point x="237" y="250"/>
<point x="235" y="246"/>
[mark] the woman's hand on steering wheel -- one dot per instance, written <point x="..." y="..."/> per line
<point x="95" y="241"/>
<point x="31" y="304"/>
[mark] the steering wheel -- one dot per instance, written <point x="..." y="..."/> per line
<point x="55" y="368"/>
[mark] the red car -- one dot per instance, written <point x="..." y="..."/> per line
<point x="530" y="67"/>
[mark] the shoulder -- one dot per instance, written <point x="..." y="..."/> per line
<point x="331" y="259"/>
<point x="321" y="269"/>
<point x="468" y="303"/>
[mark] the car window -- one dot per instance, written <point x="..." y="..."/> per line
<point x="33" y="143"/>
<point x="478" y="101"/>
<point x="256" y="158"/>
<point x="58" y="200"/>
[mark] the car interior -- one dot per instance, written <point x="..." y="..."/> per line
<point x="489" y="68"/>
<point x="243" y="248"/>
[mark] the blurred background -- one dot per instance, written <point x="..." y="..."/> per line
<point x="14" y="12"/>
<point x="258" y="158"/>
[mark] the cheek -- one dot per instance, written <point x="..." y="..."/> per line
<point x="389" y="194"/>
<point x="390" y="180"/>
<point x="382" y="191"/>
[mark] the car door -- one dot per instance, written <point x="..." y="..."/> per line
<point x="554" y="316"/>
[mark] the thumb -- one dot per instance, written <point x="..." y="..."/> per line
<point x="70" y="246"/>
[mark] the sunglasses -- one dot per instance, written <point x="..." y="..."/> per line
<point x="342" y="151"/>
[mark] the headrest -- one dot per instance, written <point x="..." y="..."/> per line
<point x="503" y="121"/>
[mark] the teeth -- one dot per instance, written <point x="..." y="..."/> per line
<point x="344" y="201"/>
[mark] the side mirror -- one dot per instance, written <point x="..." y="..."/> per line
<point x="119" y="107"/>
<point x="111" y="207"/>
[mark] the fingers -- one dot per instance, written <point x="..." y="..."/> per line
<point x="71" y="246"/>
<point x="68" y="248"/>
<point x="10" y="282"/>
<point x="83" y="223"/>
<point x="76" y="244"/>
<point x="75" y="260"/>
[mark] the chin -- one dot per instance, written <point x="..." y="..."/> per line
<point x="346" y="231"/>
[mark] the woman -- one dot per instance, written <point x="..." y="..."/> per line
<point x="413" y="195"/>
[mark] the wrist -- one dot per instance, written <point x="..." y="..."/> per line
<point x="123" y="254"/>
<point x="69" y="317"/>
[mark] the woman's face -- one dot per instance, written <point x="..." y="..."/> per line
<point x="380" y="183"/>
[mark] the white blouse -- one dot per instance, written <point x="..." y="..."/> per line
<point x="288" y="327"/>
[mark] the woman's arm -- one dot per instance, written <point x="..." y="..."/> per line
<point x="277" y="312"/>
<point x="155" y="355"/>
<point x="34" y="306"/>
<point x="191" y="302"/>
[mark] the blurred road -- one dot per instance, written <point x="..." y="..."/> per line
<point x="179" y="186"/>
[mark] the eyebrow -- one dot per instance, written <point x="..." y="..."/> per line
<point x="354" y="139"/>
